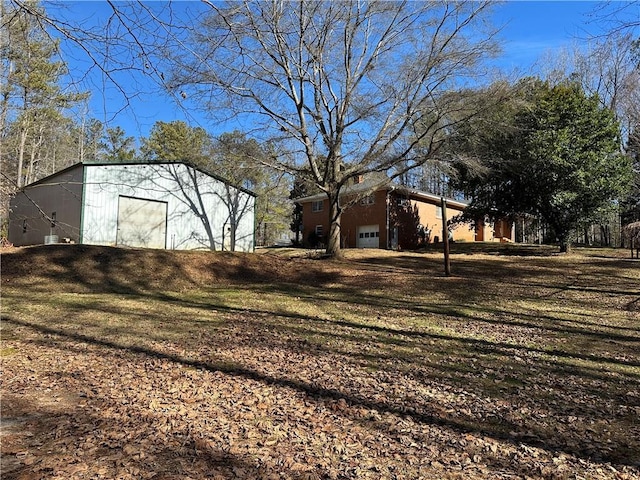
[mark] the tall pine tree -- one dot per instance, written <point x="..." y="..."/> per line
<point x="33" y="99"/>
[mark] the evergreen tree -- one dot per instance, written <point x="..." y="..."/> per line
<point x="631" y="204"/>
<point x="552" y="152"/>
<point x="298" y="190"/>
<point x="116" y="147"/>
<point x="90" y="137"/>
<point x="177" y="142"/>
<point x="32" y="97"/>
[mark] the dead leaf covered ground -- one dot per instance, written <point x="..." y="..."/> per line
<point x="122" y="363"/>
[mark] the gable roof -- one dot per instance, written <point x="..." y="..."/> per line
<point x="107" y="164"/>
<point x="370" y="183"/>
<point x="377" y="184"/>
<point x="419" y="194"/>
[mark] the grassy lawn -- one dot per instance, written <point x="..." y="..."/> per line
<point x="174" y="365"/>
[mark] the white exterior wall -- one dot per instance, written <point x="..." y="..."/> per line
<point x="198" y="206"/>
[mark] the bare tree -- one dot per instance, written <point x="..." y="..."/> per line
<point x="617" y="17"/>
<point x="116" y="47"/>
<point x="610" y="68"/>
<point x="352" y="87"/>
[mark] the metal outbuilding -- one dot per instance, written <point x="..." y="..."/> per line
<point x="152" y="205"/>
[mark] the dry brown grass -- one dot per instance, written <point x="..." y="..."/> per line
<point x="153" y="364"/>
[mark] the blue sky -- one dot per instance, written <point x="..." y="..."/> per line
<point x="532" y="30"/>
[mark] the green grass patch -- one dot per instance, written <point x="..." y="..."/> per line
<point x="7" y="351"/>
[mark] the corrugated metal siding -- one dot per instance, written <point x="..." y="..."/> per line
<point x="198" y="204"/>
<point x="60" y="193"/>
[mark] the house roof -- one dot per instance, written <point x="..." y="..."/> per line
<point x="53" y="175"/>
<point x="370" y="183"/>
<point x="106" y="164"/>
<point x="377" y="184"/>
<point x="429" y="196"/>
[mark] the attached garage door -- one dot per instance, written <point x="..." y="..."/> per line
<point x="142" y="223"/>
<point x="369" y="236"/>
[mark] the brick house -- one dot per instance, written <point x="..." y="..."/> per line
<point x="384" y="215"/>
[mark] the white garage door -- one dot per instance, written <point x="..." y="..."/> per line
<point x="369" y="236"/>
<point x="142" y="223"/>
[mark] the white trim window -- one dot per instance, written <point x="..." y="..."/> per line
<point x="438" y="211"/>
<point x="317" y="205"/>
<point x="319" y="230"/>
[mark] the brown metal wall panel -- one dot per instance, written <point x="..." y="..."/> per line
<point x="33" y="208"/>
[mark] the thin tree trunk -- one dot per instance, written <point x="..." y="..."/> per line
<point x="21" y="148"/>
<point x="4" y="108"/>
<point x="445" y="237"/>
<point x="32" y="164"/>
<point x="54" y="159"/>
<point x="35" y="157"/>
<point x="5" y="75"/>
<point x="81" y="140"/>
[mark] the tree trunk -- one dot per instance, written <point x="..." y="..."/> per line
<point x="333" y="237"/>
<point x="33" y="159"/>
<point x="605" y="236"/>
<point x="21" y="149"/>
<point x="565" y="243"/>
<point x="6" y="72"/>
<point x="445" y="237"/>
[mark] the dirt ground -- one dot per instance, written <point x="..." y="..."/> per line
<point x="124" y="363"/>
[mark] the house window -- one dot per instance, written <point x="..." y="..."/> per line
<point x="403" y="202"/>
<point x="317" y="205"/>
<point x="319" y="230"/>
<point x="368" y="200"/>
<point x="438" y="211"/>
<point x="24" y="226"/>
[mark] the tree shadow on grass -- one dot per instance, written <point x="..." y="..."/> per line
<point x="101" y="269"/>
<point x="517" y="431"/>
<point x="499" y="317"/>
<point x="602" y="394"/>
<point x="462" y="311"/>
<point x="97" y="444"/>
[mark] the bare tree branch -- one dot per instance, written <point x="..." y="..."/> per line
<point x="342" y="84"/>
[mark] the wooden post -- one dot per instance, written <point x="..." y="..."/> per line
<point x="445" y="238"/>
